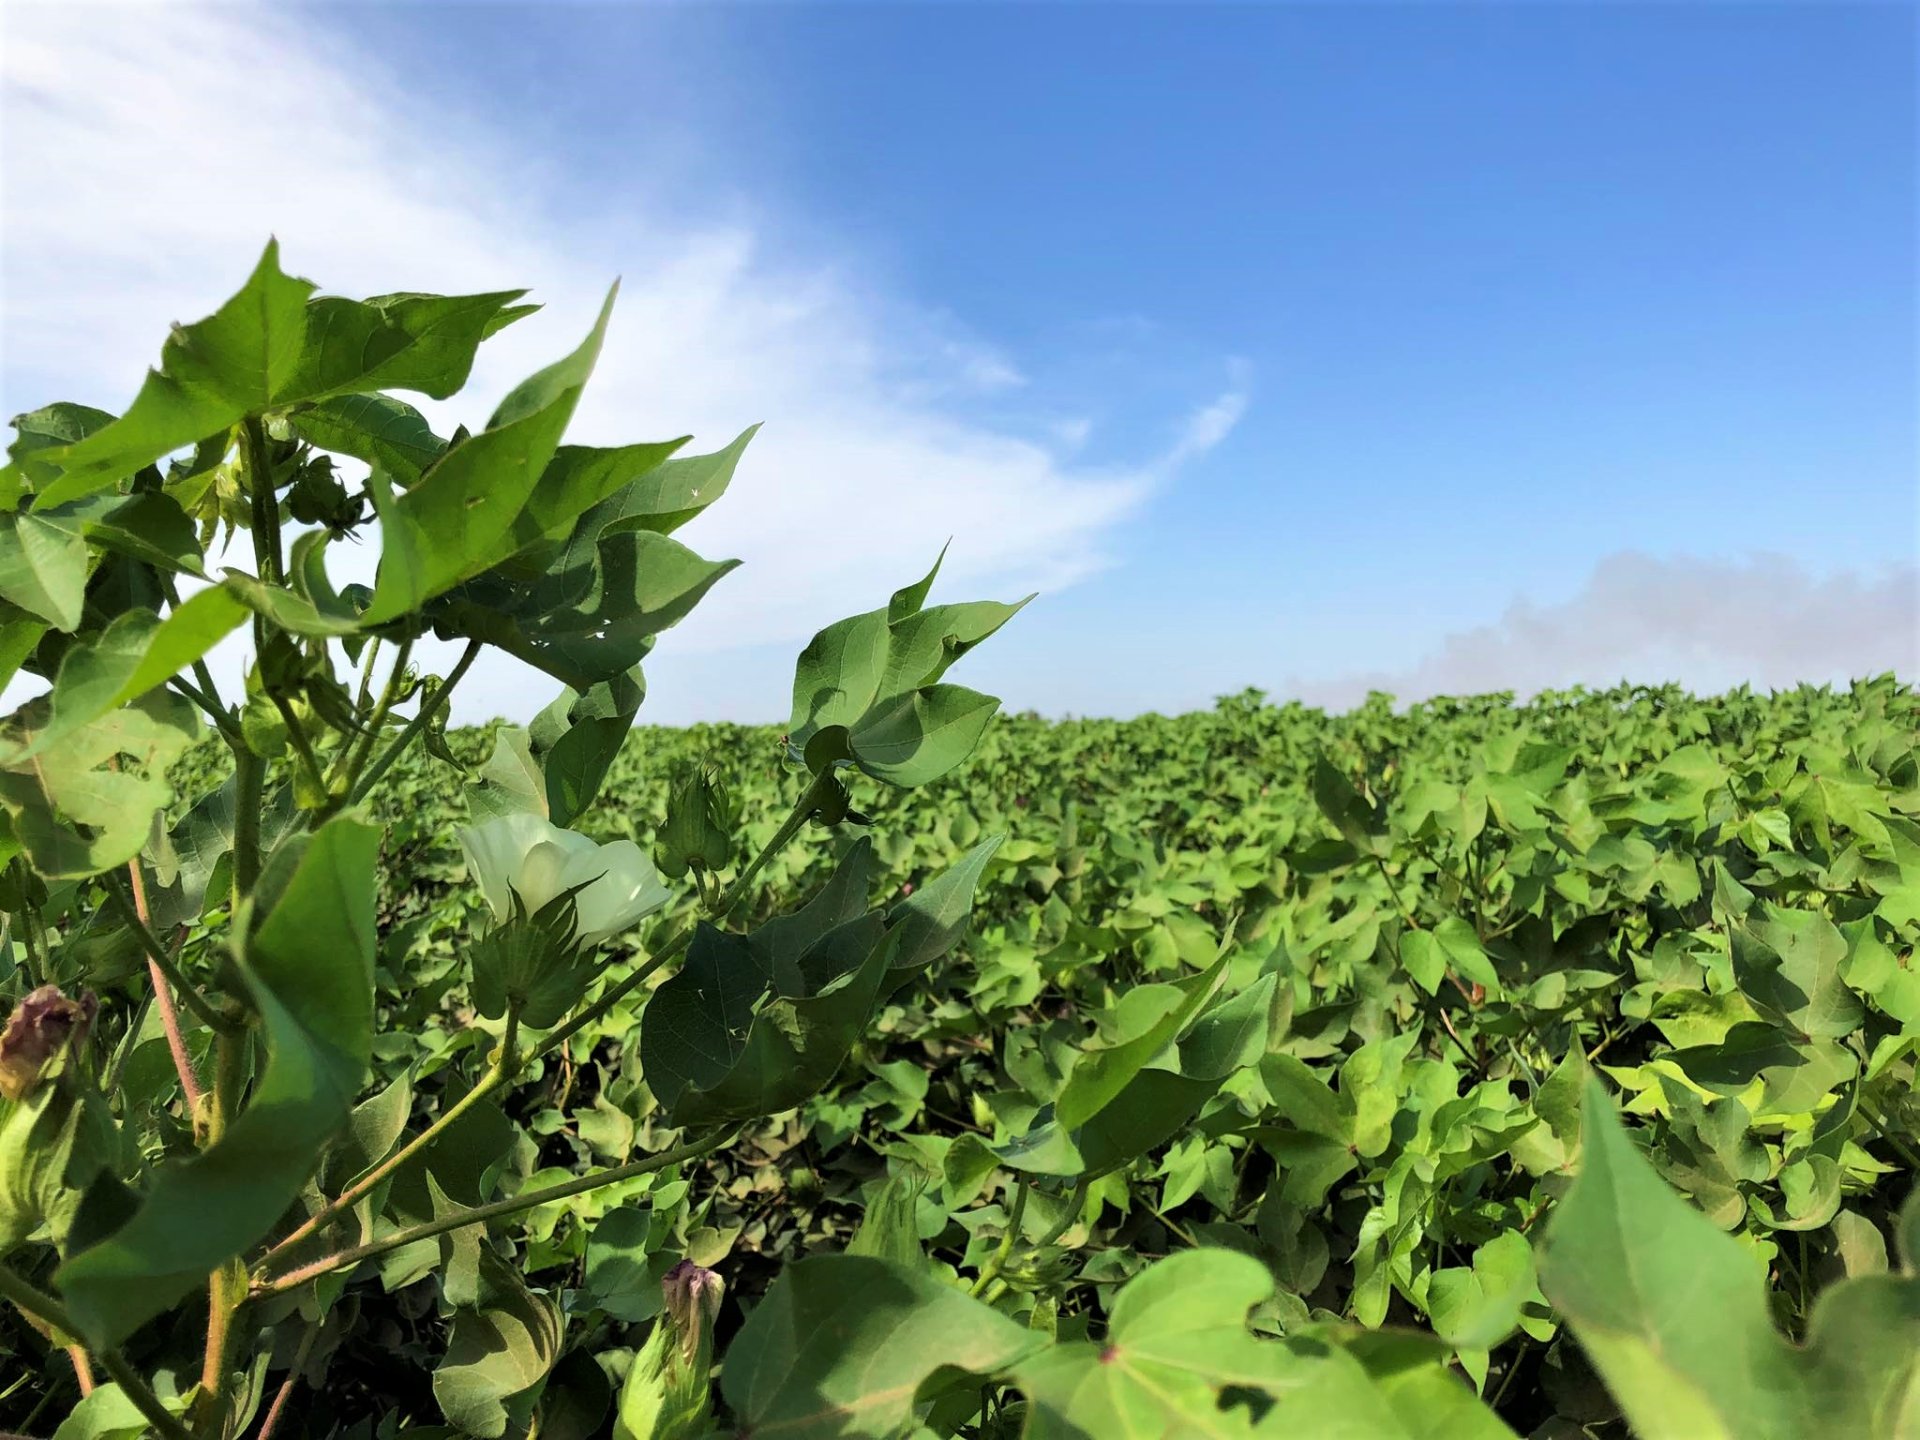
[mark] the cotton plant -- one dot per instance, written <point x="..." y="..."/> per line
<point x="249" y="1191"/>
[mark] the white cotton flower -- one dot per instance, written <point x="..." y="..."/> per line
<point x="523" y="855"/>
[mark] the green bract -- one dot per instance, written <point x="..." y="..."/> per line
<point x="1470" y="1069"/>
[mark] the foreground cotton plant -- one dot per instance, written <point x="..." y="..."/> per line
<point x="221" y="1189"/>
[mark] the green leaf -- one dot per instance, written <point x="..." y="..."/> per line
<point x="889" y="1228"/>
<point x="378" y="429"/>
<point x="511" y="782"/>
<point x="212" y="375"/>
<point x="934" y="919"/>
<point x="309" y="973"/>
<point x="392" y="342"/>
<point x="1789" y="963"/>
<point x="50" y="428"/>
<point x="1348" y="810"/>
<point x="1463" y="950"/>
<point x="592" y="623"/>
<point x="1672" y="1312"/>
<point x="792" y="1045"/>
<point x="135" y="654"/>
<point x="1177" y="1338"/>
<point x="85" y="802"/>
<point x="874" y="676"/>
<point x="289" y="611"/>
<point x="460" y="519"/>
<point x="43" y="568"/>
<point x="921" y="736"/>
<point x="843" y="1344"/>
<point x="1478" y="1307"/>
<point x="1102" y="1072"/>
<point x="575" y="739"/>
<point x="495" y="1355"/>
<point x="666" y="496"/>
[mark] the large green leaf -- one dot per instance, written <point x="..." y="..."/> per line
<point x="575" y="739"/>
<point x="85" y="802"/>
<point x="308" y="970"/>
<point x="461" y="518"/>
<point x="1672" y="1312"/>
<point x="497" y="1352"/>
<point x="713" y="1058"/>
<point x="867" y="688"/>
<point x="43" y="568"/>
<point x="1146" y="1021"/>
<point x="1176" y="1341"/>
<point x="934" y="918"/>
<point x="135" y="654"/>
<point x="393" y="342"/>
<point x="378" y="429"/>
<point x="211" y="375"/>
<point x="843" y="1344"/>
<point x="1789" y="963"/>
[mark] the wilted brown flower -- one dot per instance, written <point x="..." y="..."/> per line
<point x="40" y="1026"/>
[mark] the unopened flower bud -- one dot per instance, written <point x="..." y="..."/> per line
<point x="668" y="1393"/>
<point x="699" y="828"/>
<point x="693" y="1295"/>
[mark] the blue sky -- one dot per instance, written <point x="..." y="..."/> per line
<point x="1431" y="346"/>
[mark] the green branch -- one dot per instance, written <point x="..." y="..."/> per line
<point x="998" y="1260"/>
<point x="478" y="1214"/>
<point x="429" y="708"/>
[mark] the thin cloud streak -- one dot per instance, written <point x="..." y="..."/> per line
<point x="131" y="201"/>
<point x="1708" y="624"/>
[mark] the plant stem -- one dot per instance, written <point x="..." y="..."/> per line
<point x="43" y="1307"/>
<point x="249" y="775"/>
<point x="803" y="811"/>
<point x="82" y="1371"/>
<point x="429" y="708"/>
<point x="280" y="1398"/>
<point x="474" y="1215"/>
<point x="223" y="722"/>
<point x="227" y="1283"/>
<point x="266" y="505"/>
<point x="354" y="758"/>
<point x="163" y="999"/>
<point x="159" y="957"/>
<point x="998" y="1260"/>
<point x="1075" y="1204"/>
<point x="365" y="1184"/>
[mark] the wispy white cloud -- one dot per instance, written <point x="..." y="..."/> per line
<point x="1207" y="426"/>
<point x="1708" y="624"/>
<point x="146" y="157"/>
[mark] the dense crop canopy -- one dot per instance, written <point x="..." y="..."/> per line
<point x="1475" y="1069"/>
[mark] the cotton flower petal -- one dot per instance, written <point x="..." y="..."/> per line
<point x="495" y="850"/>
<point x="627" y="889"/>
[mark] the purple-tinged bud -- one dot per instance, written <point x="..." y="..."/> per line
<point x="668" y="1394"/>
<point x="693" y="1295"/>
<point x="41" y="1026"/>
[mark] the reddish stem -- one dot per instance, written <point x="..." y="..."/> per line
<point x="163" y="1001"/>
